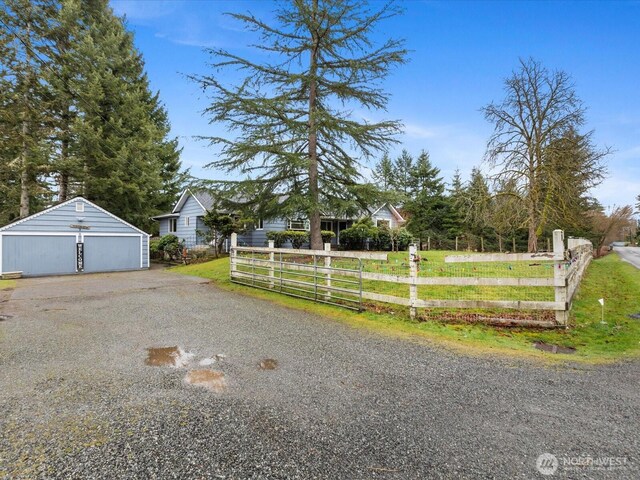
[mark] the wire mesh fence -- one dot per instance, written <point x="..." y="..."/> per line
<point x="505" y="289"/>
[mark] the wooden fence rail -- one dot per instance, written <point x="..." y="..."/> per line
<point x="310" y="274"/>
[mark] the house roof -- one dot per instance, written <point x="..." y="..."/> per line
<point x="165" y="215"/>
<point x="74" y="199"/>
<point x="391" y="208"/>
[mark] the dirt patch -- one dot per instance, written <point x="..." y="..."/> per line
<point x="209" y="379"/>
<point x="547" y="347"/>
<point x="168" y="356"/>
<point x="268" y="364"/>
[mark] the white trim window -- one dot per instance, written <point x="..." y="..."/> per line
<point x="80" y="207"/>
<point x="298" y="224"/>
<point x="187" y="221"/>
<point x="260" y="224"/>
<point x="326" y="225"/>
<point x="173" y="225"/>
<point x="383" y="222"/>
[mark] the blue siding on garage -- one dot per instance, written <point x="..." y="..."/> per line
<point x="58" y="220"/>
<point x="39" y="255"/>
<point x="45" y="244"/>
<point x="108" y="254"/>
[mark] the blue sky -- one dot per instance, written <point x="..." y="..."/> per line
<point x="461" y="51"/>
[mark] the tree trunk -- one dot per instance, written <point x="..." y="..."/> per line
<point x="24" y="154"/>
<point x="500" y="243"/>
<point x="513" y="243"/>
<point x="63" y="193"/>
<point x="314" y="214"/>
<point x="532" y="245"/>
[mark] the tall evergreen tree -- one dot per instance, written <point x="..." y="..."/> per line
<point x="25" y="98"/>
<point x="427" y="207"/>
<point x="383" y="173"/>
<point x="477" y="204"/>
<point x="293" y="136"/>
<point x="402" y="170"/>
<point x="77" y="111"/>
<point x="127" y="163"/>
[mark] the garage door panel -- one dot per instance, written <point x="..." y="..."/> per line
<point x="39" y="254"/>
<point x="105" y="254"/>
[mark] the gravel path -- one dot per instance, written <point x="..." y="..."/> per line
<point x="79" y="401"/>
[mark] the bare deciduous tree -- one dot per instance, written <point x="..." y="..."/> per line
<point x="540" y="109"/>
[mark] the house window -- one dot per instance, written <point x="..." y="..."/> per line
<point x="79" y="207"/>
<point x="326" y="225"/>
<point x="173" y="225"/>
<point x="298" y="224"/>
<point x="187" y="221"/>
<point x="260" y="224"/>
<point x="382" y="223"/>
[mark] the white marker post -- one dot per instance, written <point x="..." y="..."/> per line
<point x="601" y="301"/>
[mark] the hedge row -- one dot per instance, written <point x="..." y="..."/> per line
<point x="296" y="237"/>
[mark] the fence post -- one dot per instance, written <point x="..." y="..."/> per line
<point x="233" y="253"/>
<point x="560" y="278"/>
<point x="327" y="264"/>
<point x="413" y="274"/>
<point x="272" y="259"/>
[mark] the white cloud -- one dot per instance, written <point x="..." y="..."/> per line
<point x="418" y="131"/>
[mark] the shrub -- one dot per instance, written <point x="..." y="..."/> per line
<point x="404" y="239"/>
<point x="327" y="235"/>
<point x="356" y="236"/>
<point x="169" y="243"/>
<point x="297" y="238"/>
<point x="154" y="249"/>
<point x="382" y="239"/>
<point x="279" y="238"/>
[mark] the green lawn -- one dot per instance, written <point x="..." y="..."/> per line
<point x="609" y="278"/>
<point x="433" y="265"/>
<point x="7" y="284"/>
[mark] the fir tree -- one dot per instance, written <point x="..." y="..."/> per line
<point x="383" y="173"/>
<point x="427" y="208"/>
<point x="402" y="171"/>
<point x="292" y="135"/>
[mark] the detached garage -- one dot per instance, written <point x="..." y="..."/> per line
<point x="76" y="236"/>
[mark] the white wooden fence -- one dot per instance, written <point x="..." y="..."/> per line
<point x="322" y="281"/>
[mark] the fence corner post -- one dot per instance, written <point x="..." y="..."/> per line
<point x="233" y="253"/>
<point x="560" y="278"/>
<point x="413" y="274"/>
<point x="327" y="265"/>
<point x="272" y="259"/>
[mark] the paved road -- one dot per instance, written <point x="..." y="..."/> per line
<point x="630" y="254"/>
<point x="77" y="399"/>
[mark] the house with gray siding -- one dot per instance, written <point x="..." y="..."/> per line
<point x="185" y="221"/>
<point x="76" y="236"/>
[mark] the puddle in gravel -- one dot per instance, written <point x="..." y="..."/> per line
<point x="547" y="347"/>
<point x="268" y="364"/>
<point x="635" y="316"/>
<point x="168" y="356"/>
<point x="209" y="379"/>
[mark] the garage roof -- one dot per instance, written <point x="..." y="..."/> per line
<point x="60" y="205"/>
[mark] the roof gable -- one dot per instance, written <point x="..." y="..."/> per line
<point x="203" y="199"/>
<point x="393" y="211"/>
<point x="61" y="206"/>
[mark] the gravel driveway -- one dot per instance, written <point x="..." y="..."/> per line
<point x="292" y="395"/>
